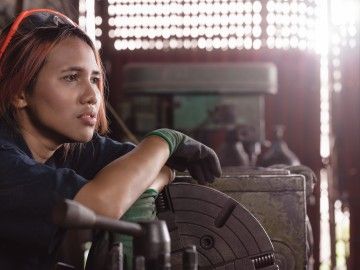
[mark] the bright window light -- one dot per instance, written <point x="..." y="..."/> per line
<point x="88" y="21"/>
<point x="294" y="24"/>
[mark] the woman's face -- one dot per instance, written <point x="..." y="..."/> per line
<point x="64" y="103"/>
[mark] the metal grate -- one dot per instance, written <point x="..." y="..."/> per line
<point x="211" y="24"/>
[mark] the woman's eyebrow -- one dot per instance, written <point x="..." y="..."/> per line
<point x="79" y="69"/>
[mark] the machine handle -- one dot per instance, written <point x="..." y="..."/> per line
<point x="70" y="214"/>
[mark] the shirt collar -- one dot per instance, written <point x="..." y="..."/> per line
<point x="10" y="136"/>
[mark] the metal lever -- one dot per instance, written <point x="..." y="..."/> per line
<point x="70" y="214"/>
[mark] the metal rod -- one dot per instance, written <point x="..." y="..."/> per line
<point x="118" y="226"/>
<point x="71" y="214"/>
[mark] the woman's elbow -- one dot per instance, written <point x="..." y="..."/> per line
<point x="109" y="208"/>
<point x="100" y="203"/>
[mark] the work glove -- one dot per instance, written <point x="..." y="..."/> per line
<point x="143" y="208"/>
<point x="105" y="248"/>
<point x="186" y="153"/>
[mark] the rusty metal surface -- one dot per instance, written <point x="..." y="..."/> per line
<point x="279" y="203"/>
<point x="226" y="235"/>
<point x="235" y="171"/>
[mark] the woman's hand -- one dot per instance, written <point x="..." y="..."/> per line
<point x="187" y="153"/>
<point x="165" y="177"/>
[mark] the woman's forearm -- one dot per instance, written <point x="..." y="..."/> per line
<point x="114" y="189"/>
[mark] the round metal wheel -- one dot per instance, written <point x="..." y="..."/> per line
<point x="226" y="235"/>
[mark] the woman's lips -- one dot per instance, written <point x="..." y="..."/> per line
<point x="88" y="119"/>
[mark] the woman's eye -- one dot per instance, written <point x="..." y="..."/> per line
<point x="95" y="80"/>
<point x="71" y="77"/>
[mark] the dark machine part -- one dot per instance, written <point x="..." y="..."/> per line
<point x="279" y="152"/>
<point x="190" y="258"/>
<point x="104" y="254"/>
<point x="63" y="266"/>
<point x="154" y="246"/>
<point x="139" y="263"/>
<point x="151" y="238"/>
<point x="232" y="152"/>
<point x="241" y="147"/>
<point x="276" y="197"/>
<point x="247" y="136"/>
<point x="115" y="257"/>
<point x="225" y="234"/>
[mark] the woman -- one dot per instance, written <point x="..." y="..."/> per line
<point x="52" y="112"/>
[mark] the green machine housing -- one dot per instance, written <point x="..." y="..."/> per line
<point x="189" y="96"/>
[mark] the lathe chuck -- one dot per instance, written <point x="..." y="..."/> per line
<point x="226" y="235"/>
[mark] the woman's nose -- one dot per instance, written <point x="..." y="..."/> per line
<point x="91" y="94"/>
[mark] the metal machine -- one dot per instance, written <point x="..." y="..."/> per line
<point x="247" y="219"/>
<point x="275" y="197"/>
<point x="222" y="232"/>
<point x="226" y="235"/>
<point x="210" y="101"/>
<point x="222" y="105"/>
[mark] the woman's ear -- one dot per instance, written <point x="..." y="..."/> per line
<point x="19" y="101"/>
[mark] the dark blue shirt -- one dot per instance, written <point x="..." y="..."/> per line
<point x="29" y="190"/>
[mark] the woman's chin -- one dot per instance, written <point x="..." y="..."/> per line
<point x="83" y="138"/>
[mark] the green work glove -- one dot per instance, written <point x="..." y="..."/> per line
<point x="187" y="153"/>
<point x="100" y="253"/>
<point x="143" y="209"/>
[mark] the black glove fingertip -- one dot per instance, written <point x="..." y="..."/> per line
<point x="196" y="173"/>
<point x="214" y="166"/>
<point x="218" y="172"/>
